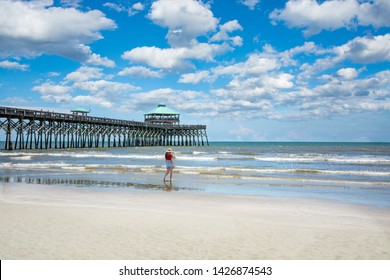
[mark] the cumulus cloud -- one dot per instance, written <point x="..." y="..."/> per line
<point x="100" y="92"/>
<point x="256" y="89"/>
<point x="51" y="88"/>
<point x="267" y="84"/>
<point x="194" y="78"/>
<point x="186" y="20"/>
<point x="93" y="100"/>
<point x="308" y="48"/>
<point x="85" y="73"/>
<point x="338" y="97"/>
<point x="130" y="10"/>
<point x="251" y="4"/>
<point x="54" y="93"/>
<point x="255" y="64"/>
<point x="71" y="3"/>
<point x="347" y="73"/>
<point x="104" y="87"/>
<point x="138" y="6"/>
<point x="174" y="58"/>
<point x="97" y="60"/>
<point x="12" y="65"/>
<point x="33" y="28"/>
<point x="53" y="74"/>
<point x="316" y="16"/>
<point x="367" y="94"/>
<point x="187" y="100"/>
<point x="366" y="49"/>
<point x="140" y="72"/>
<point x="225" y="29"/>
<point x="374" y="13"/>
<point x="275" y="85"/>
<point x="86" y="85"/>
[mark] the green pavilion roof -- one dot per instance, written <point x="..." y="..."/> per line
<point x="80" y="110"/>
<point x="161" y="109"/>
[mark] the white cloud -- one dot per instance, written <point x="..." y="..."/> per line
<point x="86" y="85"/>
<point x="96" y="100"/>
<point x="236" y="41"/>
<point x="134" y="9"/>
<point x="194" y="78"/>
<point x="158" y="58"/>
<point x="269" y="84"/>
<point x="362" y="50"/>
<point x="85" y="73"/>
<point x="114" y="6"/>
<point x="341" y="98"/>
<point x="254" y="65"/>
<point x="71" y="3"/>
<point x="100" y="92"/>
<point x="33" y="28"/>
<point x="256" y="89"/>
<point x="308" y="47"/>
<point x="140" y="72"/>
<point x="12" y="65"/>
<point x="187" y="100"/>
<point x="103" y="87"/>
<point x="186" y="20"/>
<point x="138" y="6"/>
<point x="53" y="74"/>
<point x="332" y="14"/>
<point x="50" y="88"/>
<point x="97" y="60"/>
<point x="375" y="13"/>
<point x="52" y="92"/>
<point x="347" y="73"/>
<point x="226" y="28"/>
<point x="250" y="3"/>
<point x="366" y="49"/>
<point x="174" y="58"/>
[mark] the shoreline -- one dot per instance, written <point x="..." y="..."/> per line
<point x="67" y="222"/>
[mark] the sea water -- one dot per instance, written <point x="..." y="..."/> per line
<point x="344" y="172"/>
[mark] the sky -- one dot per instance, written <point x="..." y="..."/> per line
<point x="251" y="70"/>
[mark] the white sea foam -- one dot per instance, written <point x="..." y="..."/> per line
<point x="198" y="153"/>
<point x="82" y="155"/>
<point x="203" y="156"/>
<point x="198" y="169"/>
<point x="197" y="158"/>
<point x="22" y="158"/>
<point x="334" y="159"/>
<point x="73" y="168"/>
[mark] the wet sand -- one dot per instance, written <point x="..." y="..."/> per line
<point x="68" y="222"/>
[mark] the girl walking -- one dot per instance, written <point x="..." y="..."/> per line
<point x="170" y="164"/>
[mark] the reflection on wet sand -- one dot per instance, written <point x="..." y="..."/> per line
<point x="91" y="183"/>
<point x="168" y="186"/>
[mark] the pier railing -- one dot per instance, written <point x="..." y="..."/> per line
<point x="39" y="129"/>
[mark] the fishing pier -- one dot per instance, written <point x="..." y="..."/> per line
<point x="34" y="129"/>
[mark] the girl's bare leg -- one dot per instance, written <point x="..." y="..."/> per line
<point x="166" y="173"/>
<point x="170" y="173"/>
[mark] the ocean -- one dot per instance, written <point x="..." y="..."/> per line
<point x="356" y="173"/>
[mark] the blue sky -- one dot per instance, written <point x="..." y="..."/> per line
<point x="251" y="70"/>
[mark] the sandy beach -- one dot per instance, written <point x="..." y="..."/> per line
<point x="68" y="222"/>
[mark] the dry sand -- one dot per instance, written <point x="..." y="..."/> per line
<point x="61" y="222"/>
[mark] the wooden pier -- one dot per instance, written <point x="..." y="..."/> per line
<point x="33" y="129"/>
